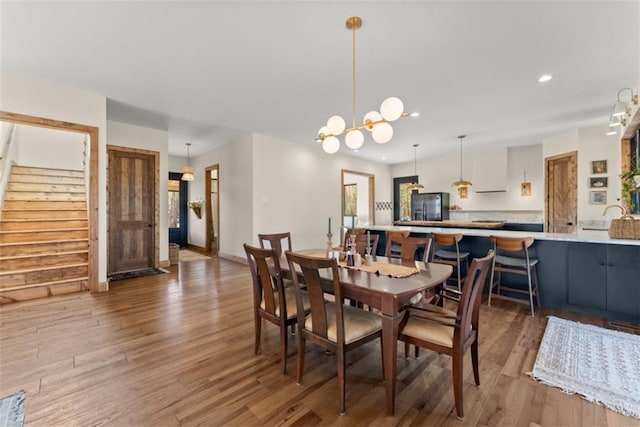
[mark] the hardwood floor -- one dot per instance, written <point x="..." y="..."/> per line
<point x="177" y="349"/>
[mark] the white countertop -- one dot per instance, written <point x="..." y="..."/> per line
<point x="580" y="236"/>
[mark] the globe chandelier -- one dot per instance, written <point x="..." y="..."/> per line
<point x="378" y="123"/>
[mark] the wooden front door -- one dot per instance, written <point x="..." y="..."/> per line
<point x="132" y="209"/>
<point x="561" y="189"/>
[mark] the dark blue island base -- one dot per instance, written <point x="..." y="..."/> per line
<point x="595" y="278"/>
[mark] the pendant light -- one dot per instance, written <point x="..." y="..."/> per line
<point x="187" y="171"/>
<point x="461" y="183"/>
<point x="415" y="185"/>
<point x="378" y="123"/>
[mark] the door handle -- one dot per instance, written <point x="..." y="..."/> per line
<point x="569" y="223"/>
<point x="150" y="225"/>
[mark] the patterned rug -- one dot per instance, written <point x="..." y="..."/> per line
<point x="133" y="274"/>
<point x="186" y="255"/>
<point x="12" y="410"/>
<point x="599" y="364"/>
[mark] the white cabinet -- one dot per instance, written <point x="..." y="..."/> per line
<point x="490" y="171"/>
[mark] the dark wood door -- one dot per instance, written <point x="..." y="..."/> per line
<point x="561" y="201"/>
<point x="131" y="210"/>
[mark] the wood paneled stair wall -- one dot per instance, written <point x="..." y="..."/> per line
<point x="44" y="234"/>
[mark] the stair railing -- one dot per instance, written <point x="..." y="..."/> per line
<point x="85" y="166"/>
<point x="6" y="160"/>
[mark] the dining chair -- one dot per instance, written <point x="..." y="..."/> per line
<point x="272" y="301"/>
<point x="389" y="234"/>
<point x="451" y="332"/>
<point x="446" y="250"/>
<point x="409" y="247"/>
<point x="512" y="256"/>
<point x="333" y="326"/>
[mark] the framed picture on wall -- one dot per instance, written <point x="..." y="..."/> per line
<point x="598" y="167"/>
<point x="598" y="182"/>
<point x="598" y="197"/>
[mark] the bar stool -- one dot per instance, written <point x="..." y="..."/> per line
<point x="446" y="250"/>
<point x="517" y="265"/>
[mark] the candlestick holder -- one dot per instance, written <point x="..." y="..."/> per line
<point x="329" y="251"/>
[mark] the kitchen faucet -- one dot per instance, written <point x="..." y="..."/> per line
<point x="622" y="208"/>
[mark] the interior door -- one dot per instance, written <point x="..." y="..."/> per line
<point x="212" y="204"/>
<point x="561" y="189"/>
<point x="132" y="210"/>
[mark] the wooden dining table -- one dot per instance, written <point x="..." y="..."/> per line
<point x="388" y="295"/>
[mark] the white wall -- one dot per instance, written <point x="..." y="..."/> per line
<point x="437" y="174"/>
<point x="41" y="99"/>
<point x="298" y="187"/>
<point x="592" y="144"/>
<point x="236" y="203"/>
<point x="126" y="135"/>
<point x="51" y="148"/>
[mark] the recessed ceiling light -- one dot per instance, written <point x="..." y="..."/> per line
<point x="612" y="132"/>
<point x="383" y="158"/>
<point x="545" y="78"/>
<point x="355" y="151"/>
<point x="414" y="114"/>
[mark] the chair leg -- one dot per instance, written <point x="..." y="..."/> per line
<point x="301" y="342"/>
<point x="283" y="348"/>
<point x="535" y="281"/>
<point x="406" y="350"/>
<point x="342" y="392"/>
<point x="491" y="284"/>
<point x="417" y="352"/>
<point x="474" y="361"/>
<point x="457" y="383"/>
<point x="258" y="327"/>
<point x="382" y="357"/>
<point x="533" y="313"/>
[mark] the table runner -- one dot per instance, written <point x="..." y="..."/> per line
<point x="386" y="269"/>
<point x="391" y="270"/>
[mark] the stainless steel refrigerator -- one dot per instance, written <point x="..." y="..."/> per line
<point x="429" y="206"/>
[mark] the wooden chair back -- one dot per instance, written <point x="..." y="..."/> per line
<point x="267" y="280"/>
<point x="511" y="244"/>
<point x="446" y="239"/>
<point x="409" y="246"/>
<point x="276" y="241"/>
<point x="468" y="313"/>
<point x="311" y="268"/>
<point x="389" y="234"/>
<point x="362" y="241"/>
<point x="358" y="231"/>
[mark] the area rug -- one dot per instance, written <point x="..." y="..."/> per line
<point x="186" y="255"/>
<point x="12" y="410"/>
<point x="599" y="364"/>
<point x="133" y="274"/>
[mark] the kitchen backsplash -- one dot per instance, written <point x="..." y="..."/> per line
<point x="502" y="215"/>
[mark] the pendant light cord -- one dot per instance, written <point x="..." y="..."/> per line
<point x="353" y="77"/>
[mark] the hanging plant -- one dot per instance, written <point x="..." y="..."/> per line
<point x="630" y="185"/>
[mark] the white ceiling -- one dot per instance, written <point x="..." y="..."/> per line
<point x="208" y="71"/>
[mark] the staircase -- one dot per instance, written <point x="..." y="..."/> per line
<point x="44" y="234"/>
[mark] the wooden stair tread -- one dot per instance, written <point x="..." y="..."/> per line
<point x="37" y="285"/>
<point x="44" y="268"/>
<point x="50" y="219"/>
<point x="45" y="242"/>
<point x="40" y="254"/>
<point x="52" y="208"/>
<point x="57" y="230"/>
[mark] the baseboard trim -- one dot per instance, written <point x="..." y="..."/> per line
<point x="164" y="263"/>
<point x="103" y="286"/>
<point x="199" y="249"/>
<point x="234" y="258"/>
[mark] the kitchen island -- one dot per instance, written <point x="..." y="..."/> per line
<point x="585" y="272"/>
